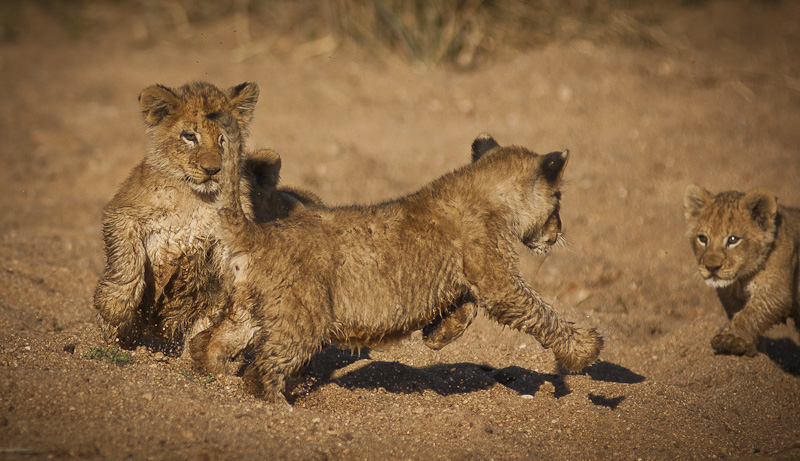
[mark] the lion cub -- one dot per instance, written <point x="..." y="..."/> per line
<point x="363" y="275"/>
<point x="748" y="248"/>
<point x="160" y="276"/>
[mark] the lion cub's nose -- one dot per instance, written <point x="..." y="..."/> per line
<point x="712" y="269"/>
<point x="211" y="170"/>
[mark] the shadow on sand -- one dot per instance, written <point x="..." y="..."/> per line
<point x="451" y="378"/>
<point x="785" y="353"/>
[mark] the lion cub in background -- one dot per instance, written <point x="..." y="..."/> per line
<point x="161" y="277"/>
<point x="748" y="248"/>
<point x="363" y="275"/>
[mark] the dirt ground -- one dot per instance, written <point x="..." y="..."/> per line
<point x="716" y="102"/>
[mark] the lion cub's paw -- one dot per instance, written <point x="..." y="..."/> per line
<point x="726" y="342"/>
<point x="583" y="349"/>
<point x="447" y="329"/>
<point x="203" y="356"/>
<point x="254" y="385"/>
<point x="126" y="336"/>
<point x="108" y="331"/>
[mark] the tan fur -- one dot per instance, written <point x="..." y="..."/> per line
<point x="160" y="277"/>
<point x="747" y="248"/>
<point x="261" y="171"/>
<point x="364" y="275"/>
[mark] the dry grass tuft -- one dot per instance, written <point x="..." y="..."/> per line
<point x="429" y="31"/>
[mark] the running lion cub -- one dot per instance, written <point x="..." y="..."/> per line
<point x="747" y="247"/>
<point x="364" y="275"/>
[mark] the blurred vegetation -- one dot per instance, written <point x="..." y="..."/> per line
<point x="455" y="30"/>
<point x="109" y="355"/>
<point x="433" y="31"/>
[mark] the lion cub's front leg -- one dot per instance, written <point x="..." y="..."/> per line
<point x="212" y="348"/>
<point x="519" y="307"/>
<point x="122" y="285"/>
<point x="280" y="350"/>
<point x="761" y="311"/>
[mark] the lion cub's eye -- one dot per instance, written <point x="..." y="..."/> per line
<point x="732" y="241"/>
<point x="188" y="137"/>
<point x="702" y="239"/>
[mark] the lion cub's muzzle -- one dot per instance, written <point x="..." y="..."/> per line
<point x="205" y="168"/>
<point x="715" y="270"/>
<point x="203" y="180"/>
<point x="207" y="174"/>
<point x="540" y="240"/>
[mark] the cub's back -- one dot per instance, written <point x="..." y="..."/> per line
<point x="791" y="222"/>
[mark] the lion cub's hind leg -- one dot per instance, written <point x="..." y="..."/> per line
<point x="450" y="326"/>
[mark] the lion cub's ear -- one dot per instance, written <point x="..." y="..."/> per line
<point x="762" y="206"/>
<point x="266" y="167"/>
<point x="157" y="102"/>
<point x="552" y="165"/>
<point x="482" y="144"/>
<point x="243" y="98"/>
<point x="694" y="200"/>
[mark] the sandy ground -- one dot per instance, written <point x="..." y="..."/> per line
<point x="717" y="103"/>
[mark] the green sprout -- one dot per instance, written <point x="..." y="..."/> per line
<point x="109" y="355"/>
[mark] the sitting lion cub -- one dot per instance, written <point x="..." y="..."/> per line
<point x="747" y="247"/>
<point x="364" y="275"/>
<point x="160" y="276"/>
